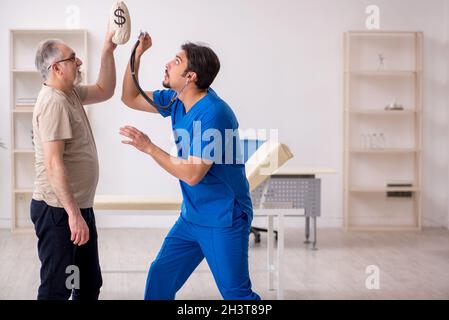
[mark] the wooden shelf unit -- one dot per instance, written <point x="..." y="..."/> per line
<point x="25" y="82"/>
<point x="369" y="87"/>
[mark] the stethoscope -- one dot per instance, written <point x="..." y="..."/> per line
<point x="136" y="82"/>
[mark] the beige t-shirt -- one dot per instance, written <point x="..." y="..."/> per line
<point x="60" y="116"/>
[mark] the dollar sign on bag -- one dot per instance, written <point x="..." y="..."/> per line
<point x="121" y="19"/>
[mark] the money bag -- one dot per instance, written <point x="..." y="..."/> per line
<point x="120" y="21"/>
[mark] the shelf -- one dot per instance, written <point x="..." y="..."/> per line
<point x="23" y="110"/>
<point x="52" y="31"/>
<point x="385" y="151"/>
<point x="27" y="191"/>
<point x="25" y="71"/>
<point x="25" y="85"/>
<point x="384" y="228"/>
<point x="23" y="151"/>
<point x="369" y="204"/>
<point x="362" y="33"/>
<point x="375" y="73"/>
<point x="375" y="112"/>
<point x="382" y="189"/>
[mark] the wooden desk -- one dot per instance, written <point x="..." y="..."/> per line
<point x="289" y="191"/>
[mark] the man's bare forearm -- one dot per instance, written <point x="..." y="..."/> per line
<point x="107" y="76"/>
<point x="60" y="184"/>
<point x="177" y="167"/>
<point x="191" y="171"/>
<point x="129" y="90"/>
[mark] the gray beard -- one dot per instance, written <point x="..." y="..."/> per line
<point x="78" y="79"/>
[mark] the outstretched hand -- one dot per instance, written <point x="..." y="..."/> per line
<point x="145" y="43"/>
<point x="138" y="139"/>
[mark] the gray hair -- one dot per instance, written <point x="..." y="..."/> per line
<point x="46" y="54"/>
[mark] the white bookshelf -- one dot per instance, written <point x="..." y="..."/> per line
<point x="25" y="82"/>
<point x="382" y="148"/>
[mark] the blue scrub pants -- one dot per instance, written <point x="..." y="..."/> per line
<point x="225" y="250"/>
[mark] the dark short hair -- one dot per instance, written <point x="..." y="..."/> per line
<point x="203" y="61"/>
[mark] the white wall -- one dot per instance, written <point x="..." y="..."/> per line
<point x="281" y="68"/>
<point x="446" y="28"/>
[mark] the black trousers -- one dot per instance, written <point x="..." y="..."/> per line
<point x="66" y="269"/>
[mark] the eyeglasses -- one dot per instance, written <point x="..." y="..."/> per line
<point x="72" y="58"/>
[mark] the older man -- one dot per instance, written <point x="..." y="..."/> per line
<point x="67" y="171"/>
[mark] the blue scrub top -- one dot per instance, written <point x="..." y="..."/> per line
<point x="210" y="131"/>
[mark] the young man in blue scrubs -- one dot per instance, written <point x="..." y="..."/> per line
<point x="216" y="212"/>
